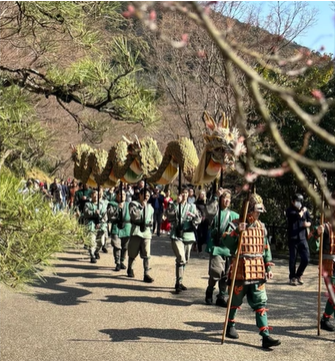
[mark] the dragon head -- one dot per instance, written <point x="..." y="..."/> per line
<point x="134" y="147"/>
<point x="224" y="144"/>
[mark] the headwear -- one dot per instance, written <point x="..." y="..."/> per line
<point x="298" y="197"/>
<point x="41" y="184"/>
<point x="256" y="203"/>
<point x="225" y="192"/>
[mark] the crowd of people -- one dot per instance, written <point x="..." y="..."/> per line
<point x="130" y="215"/>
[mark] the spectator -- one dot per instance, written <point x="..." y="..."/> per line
<point x="45" y="194"/>
<point x="129" y="193"/>
<point x="157" y="200"/>
<point x="72" y="191"/>
<point x="56" y="192"/>
<point x="64" y="194"/>
<point x="191" y="198"/>
<point x="202" y="231"/>
<point x="299" y="220"/>
<point x="166" y="225"/>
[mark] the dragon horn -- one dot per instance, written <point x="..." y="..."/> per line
<point x="224" y="121"/>
<point x="138" y="141"/>
<point x="209" y="121"/>
<point x="126" y="140"/>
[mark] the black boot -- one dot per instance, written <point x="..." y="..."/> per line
<point x="130" y="273"/>
<point x="147" y="279"/>
<point x="97" y="255"/>
<point x="231" y="332"/>
<point x="118" y="267"/>
<point x="268" y="342"/>
<point x="183" y="288"/>
<point x="93" y="260"/>
<point x="123" y="266"/>
<point x="209" y="296"/>
<point x="104" y="249"/>
<point x="326" y="325"/>
<point x="178" y="288"/>
<point x="220" y="301"/>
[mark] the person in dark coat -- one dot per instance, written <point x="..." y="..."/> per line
<point x="157" y="202"/>
<point x="299" y="220"/>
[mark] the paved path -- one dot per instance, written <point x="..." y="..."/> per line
<point x="88" y="312"/>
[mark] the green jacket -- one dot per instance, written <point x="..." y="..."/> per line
<point x="188" y="223"/>
<point x="136" y="212"/>
<point x="120" y="219"/>
<point x="92" y="219"/>
<point x="79" y="203"/>
<point x="226" y="226"/>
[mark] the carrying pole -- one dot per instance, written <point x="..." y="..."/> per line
<point x="142" y="227"/>
<point x="322" y="221"/>
<point x="220" y="207"/>
<point x="179" y="191"/>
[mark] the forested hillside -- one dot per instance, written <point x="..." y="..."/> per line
<point x="92" y="75"/>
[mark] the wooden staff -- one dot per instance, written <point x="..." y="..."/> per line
<point x="322" y="221"/>
<point x="179" y="205"/>
<point x="237" y="256"/>
<point x="120" y="220"/>
<point x="220" y="207"/>
<point x="142" y="227"/>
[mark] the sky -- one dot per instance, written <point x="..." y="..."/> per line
<point x="322" y="34"/>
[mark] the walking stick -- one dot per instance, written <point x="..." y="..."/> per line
<point x="237" y="256"/>
<point x="322" y="220"/>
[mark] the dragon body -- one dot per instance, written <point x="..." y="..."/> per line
<point x="130" y="162"/>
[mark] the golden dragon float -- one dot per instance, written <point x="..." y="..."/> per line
<point x="130" y="162"/>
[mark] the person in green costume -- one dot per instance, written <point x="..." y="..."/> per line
<point x="328" y="264"/>
<point x="185" y="217"/>
<point x="254" y="268"/>
<point x="219" y="254"/>
<point x="95" y="217"/>
<point x="119" y="217"/>
<point x="141" y="216"/>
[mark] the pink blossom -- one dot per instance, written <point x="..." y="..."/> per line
<point x="251" y="177"/>
<point x="131" y="9"/>
<point x="130" y="12"/>
<point x="317" y="94"/>
<point x="201" y="54"/>
<point x="152" y="15"/>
